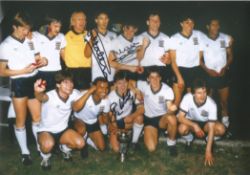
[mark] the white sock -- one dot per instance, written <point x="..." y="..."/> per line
<point x="91" y="143"/>
<point x="45" y="156"/>
<point x="22" y="139"/>
<point x="137" y="128"/>
<point x="225" y="121"/>
<point x="189" y="137"/>
<point x="104" y="129"/>
<point x="171" y="142"/>
<point x="65" y="148"/>
<point x="35" y="127"/>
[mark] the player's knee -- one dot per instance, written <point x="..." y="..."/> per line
<point x="139" y="120"/>
<point x="172" y="121"/>
<point x="116" y="149"/>
<point x="151" y="147"/>
<point x="183" y="130"/>
<point x="220" y="130"/>
<point x="46" y="146"/>
<point x="80" y="143"/>
<point x="101" y="147"/>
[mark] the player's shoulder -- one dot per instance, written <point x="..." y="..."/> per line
<point x="163" y="35"/>
<point x="175" y="35"/>
<point x="225" y="36"/>
<point x="111" y="34"/>
<point x="210" y="101"/>
<point x="8" y="41"/>
<point x="188" y="96"/>
<point x="166" y="87"/>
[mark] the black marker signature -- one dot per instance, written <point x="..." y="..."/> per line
<point x="100" y="56"/>
<point x="122" y="101"/>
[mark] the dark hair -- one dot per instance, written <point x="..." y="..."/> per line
<point x="21" y="19"/>
<point x="153" y="70"/>
<point x="212" y="19"/>
<point x="98" y="13"/>
<point x="121" y="75"/>
<point x="52" y="18"/>
<point x="63" y="75"/>
<point x="154" y="13"/>
<point x="185" y="17"/>
<point x="198" y="83"/>
<point x="100" y="79"/>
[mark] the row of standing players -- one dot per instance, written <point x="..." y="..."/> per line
<point x="191" y="53"/>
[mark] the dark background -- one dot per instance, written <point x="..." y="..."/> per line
<point x="234" y="17"/>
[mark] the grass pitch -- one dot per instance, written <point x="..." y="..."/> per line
<point x="228" y="161"/>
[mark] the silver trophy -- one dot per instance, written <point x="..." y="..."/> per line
<point x="124" y="138"/>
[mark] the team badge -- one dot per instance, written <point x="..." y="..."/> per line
<point x="161" y="43"/>
<point x="58" y="45"/>
<point x="101" y="109"/>
<point x="204" y="113"/>
<point x="222" y="44"/>
<point x="161" y="99"/>
<point x="31" y="45"/>
<point x="195" y="41"/>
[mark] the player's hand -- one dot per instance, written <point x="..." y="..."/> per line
<point x="133" y="69"/>
<point x="166" y="59"/>
<point x="222" y="71"/>
<point x="140" y="69"/>
<point x="145" y="42"/>
<point x="198" y="131"/>
<point x="180" y="83"/>
<point x="30" y="68"/>
<point x="40" y="85"/>
<point x="213" y="73"/>
<point x="92" y="89"/>
<point x="172" y="107"/>
<point x="209" y="160"/>
<point x="41" y="61"/>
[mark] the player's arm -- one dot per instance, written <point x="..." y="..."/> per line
<point x="62" y="54"/>
<point x="175" y="68"/>
<point x="171" y="107"/>
<point x="39" y="88"/>
<point x="6" y="72"/>
<point x="89" y="44"/>
<point x="80" y="103"/>
<point x="141" y="49"/>
<point x="229" y="51"/>
<point x="182" y="119"/>
<point x="210" y="72"/>
<point x="138" y="112"/>
<point x="208" y="153"/>
<point x="116" y="65"/>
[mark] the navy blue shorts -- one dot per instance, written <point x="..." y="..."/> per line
<point x="155" y="121"/>
<point x="49" y="77"/>
<point x="190" y="74"/>
<point x="56" y="136"/>
<point x="23" y="87"/>
<point x="121" y="123"/>
<point x="81" y="77"/>
<point x="92" y="127"/>
<point x="218" y="82"/>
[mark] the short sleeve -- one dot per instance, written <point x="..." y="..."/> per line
<point x="63" y="45"/>
<point x="169" y="94"/>
<point x="184" y="104"/>
<point x="107" y="106"/>
<point x="4" y="53"/>
<point x="213" y="112"/>
<point x="172" y="43"/>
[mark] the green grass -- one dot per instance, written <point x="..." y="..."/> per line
<point x="228" y="161"/>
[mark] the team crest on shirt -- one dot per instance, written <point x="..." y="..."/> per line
<point x="31" y="45"/>
<point x="195" y="41"/>
<point x="58" y="45"/>
<point x="161" y="43"/>
<point x="204" y="113"/>
<point x="101" y="109"/>
<point x="222" y="44"/>
<point x="161" y="99"/>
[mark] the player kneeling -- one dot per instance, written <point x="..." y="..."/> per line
<point x="56" y="110"/>
<point x="198" y="114"/>
<point x="159" y="111"/>
<point x="91" y="114"/>
<point x="123" y="117"/>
